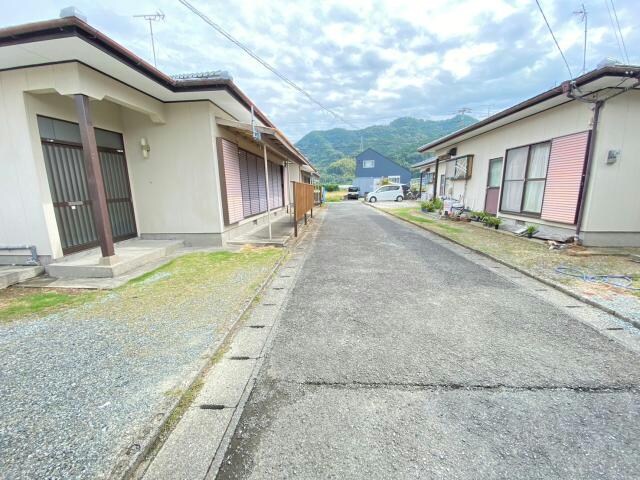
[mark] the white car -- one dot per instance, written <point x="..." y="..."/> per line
<point x="387" y="192"/>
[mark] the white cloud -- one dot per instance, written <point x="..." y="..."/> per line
<point x="368" y="60"/>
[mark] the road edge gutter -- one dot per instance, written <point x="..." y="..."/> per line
<point x="126" y="466"/>
<point x="548" y="283"/>
<point x="223" y="446"/>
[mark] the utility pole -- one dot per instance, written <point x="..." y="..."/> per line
<point x="582" y="13"/>
<point x="463" y="111"/>
<point x="152" y="18"/>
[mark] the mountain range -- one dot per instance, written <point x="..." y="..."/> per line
<point x="332" y="151"/>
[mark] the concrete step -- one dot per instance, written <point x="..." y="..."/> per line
<point x="131" y="255"/>
<point x="12" y="274"/>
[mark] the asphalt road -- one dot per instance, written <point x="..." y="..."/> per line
<point x="457" y="374"/>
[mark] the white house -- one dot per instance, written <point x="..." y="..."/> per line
<point x="97" y="145"/>
<point x="567" y="160"/>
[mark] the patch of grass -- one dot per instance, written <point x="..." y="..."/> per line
<point x="336" y="196"/>
<point x="170" y="287"/>
<point x="16" y="303"/>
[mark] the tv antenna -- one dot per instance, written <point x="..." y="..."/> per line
<point x="582" y="13"/>
<point x="154" y="17"/>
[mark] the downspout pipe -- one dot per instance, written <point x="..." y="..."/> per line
<point x="32" y="248"/>
<point x="587" y="169"/>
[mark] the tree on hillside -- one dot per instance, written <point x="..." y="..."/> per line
<point x="343" y="168"/>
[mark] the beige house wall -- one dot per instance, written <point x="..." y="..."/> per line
<point x="611" y="210"/>
<point x="569" y="118"/>
<point x="27" y="215"/>
<point x="176" y="190"/>
<point x="609" y="217"/>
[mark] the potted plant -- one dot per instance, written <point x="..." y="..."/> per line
<point x="495" y="221"/>
<point x="531" y="229"/>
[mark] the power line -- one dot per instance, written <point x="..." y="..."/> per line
<point x="620" y="31"/>
<point x="613" y="26"/>
<point x="554" y="38"/>
<point x="264" y="63"/>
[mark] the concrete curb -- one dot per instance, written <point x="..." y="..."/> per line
<point x="128" y="463"/>
<point x="549" y="283"/>
<point x="221" y="451"/>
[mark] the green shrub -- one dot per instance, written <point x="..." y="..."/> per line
<point x="331" y="187"/>
<point x="437" y="203"/>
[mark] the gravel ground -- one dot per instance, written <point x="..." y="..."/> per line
<point x="76" y="386"/>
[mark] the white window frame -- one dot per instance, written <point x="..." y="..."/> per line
<point x="394" y="178"/>
<point x="368" y="163"/>
<point x="463" y="167"/>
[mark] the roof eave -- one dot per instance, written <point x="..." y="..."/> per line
<point x="611" y="70"/>
<point x="73" y="26"/>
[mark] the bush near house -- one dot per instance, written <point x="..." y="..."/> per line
<point x="331" y="187"/>
<point x="432" y="205"/>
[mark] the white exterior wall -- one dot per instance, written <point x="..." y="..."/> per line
<point x="612" y="216"/>
<point x="562" y="120"/>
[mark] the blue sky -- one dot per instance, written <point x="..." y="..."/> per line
<point x="370" y="61"/>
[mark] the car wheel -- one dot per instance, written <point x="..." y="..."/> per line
<point x="399" y="199"/>
<point x="372" y="199"/>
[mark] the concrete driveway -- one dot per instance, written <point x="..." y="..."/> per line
<point x="398" y="357"/>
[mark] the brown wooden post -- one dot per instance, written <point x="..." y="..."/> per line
<point x="312" y="213"/>
<point x="295" y="219"/>
<point x="420" y="192"/>
<point x="95" y="183"/>
<point x="305" y="218"/>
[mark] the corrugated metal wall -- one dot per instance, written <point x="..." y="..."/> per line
<point x="564" y="178"/>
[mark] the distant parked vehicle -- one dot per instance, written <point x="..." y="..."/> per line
<point x="387" y="192"/>
<point x="353" y="193"/>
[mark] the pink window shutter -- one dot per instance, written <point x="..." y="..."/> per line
<point x="564" y="178"/>
<point x="232" y="183"/>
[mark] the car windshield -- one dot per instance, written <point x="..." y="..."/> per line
<point x="353" y="189"/>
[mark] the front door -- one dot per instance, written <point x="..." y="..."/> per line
<point x="493" y="186"/>
<point x="66" y="172"/>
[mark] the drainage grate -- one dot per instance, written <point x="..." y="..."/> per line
<point x="614" y="328"/>
<point x="211" y="406"/>
<point x="573" y="306"/>
<point x="239" y="358"/>
<point x="269" y="304"/>
<point x="278" y="288"/>
<point x="256" y="326"/>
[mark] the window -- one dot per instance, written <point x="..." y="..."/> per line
<point x="443" y="182"/>
<point x="462" y="167"/>
<point x="428" y="177"/>
<point x="394" y="178"/>
<point x="525" y="176"/>
<point x="368" y="163"/>
<point x="495" y="172"/>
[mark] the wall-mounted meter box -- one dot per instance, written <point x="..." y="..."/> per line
<point x="613" y="156"/>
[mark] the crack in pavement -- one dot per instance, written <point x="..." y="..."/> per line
<point x="468" y="387"/>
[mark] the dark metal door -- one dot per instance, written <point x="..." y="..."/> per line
<point x="70" y="195"/>
<point x="116" y="184"/>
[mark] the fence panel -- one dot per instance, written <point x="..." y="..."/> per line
<point x="302" y="202"/>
